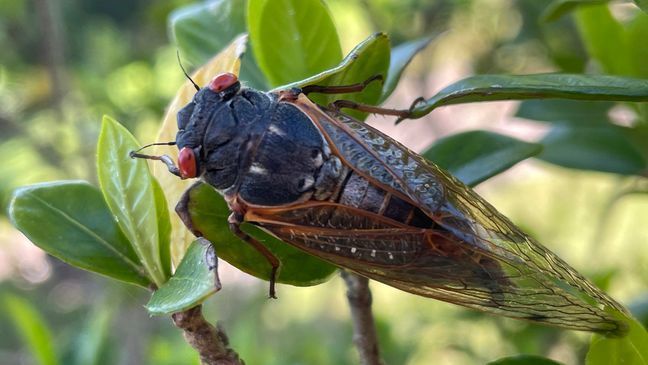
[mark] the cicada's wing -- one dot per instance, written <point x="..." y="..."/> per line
<point x="533" y="283"/>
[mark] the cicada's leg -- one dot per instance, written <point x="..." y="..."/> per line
<point x="340" y="89"/>
<point x="235" y="220"/>
<point x="400" y="113"/>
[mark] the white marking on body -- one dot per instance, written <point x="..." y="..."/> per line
<point x="373" y="253"/>
<point x="308" y="183"/>
<point x="391" y="257"/>
<point x="318" y="160"/>
<point x="337" y="248"/>
<point x="353" y="249"/>
<point x="258" y="169"/>
<point x="275" y="130"/>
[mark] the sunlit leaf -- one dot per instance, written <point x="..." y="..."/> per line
<point x="226" y="61"/>
<point x="539" y="86"/>
<point x="636" y="31"/>
<point x="630" y="349"/>
<point x="202" y="30"/>
<point x="70" y="220"/>
<point x="603" y="148"/>
<point x="209" y="214"/>
<point x="33" y="329"/>
<point x="191" y="284"/>
<point x="524" y="360"/>
<point x="127" y="186"/>
<point x="478" y="155"/>
<point x="605" y="39"/>
<point x="401" y="56"/>
<point x="292" y="39"/>
<point x="367" y="59"/>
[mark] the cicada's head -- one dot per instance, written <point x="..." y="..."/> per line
<point x="207" y="133"/>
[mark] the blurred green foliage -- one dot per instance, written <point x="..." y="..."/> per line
<point x="82" y="59"/>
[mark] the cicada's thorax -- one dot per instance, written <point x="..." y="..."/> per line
<point x="264" y="152"/>
<point x="256" y="149"/>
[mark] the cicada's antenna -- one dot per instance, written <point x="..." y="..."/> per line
<point x="172" y="143"/>
<point x="185" y="72"/>
<point x="168" y="161"/>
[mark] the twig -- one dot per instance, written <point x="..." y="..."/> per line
<point x="364" y="329"/>
<point x="210" y="342"/>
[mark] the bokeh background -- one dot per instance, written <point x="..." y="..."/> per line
<point x="64" y="64"/>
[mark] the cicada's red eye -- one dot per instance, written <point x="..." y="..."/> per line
<point x="187" y="163"/>
<point x="222" y="82"/>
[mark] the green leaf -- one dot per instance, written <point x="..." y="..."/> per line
<point x="93" y="339"/>
<point x="566" y="111"/>
<point x="209" y="214"/>
<point x="401" y="56"/>
<point x="367" y="59"/>
<point x="127" y="187"/>
<point x="600" y="148"/>
<point x="631" y="349"/>
<point x="202" y="30"/>
<point x="558" y="8"/>
<point x="605" y="39"/>
<point x="292" y="39"/>
<point x="538" y="86"/>
<point x="33" y="329"/>
<point x="191" y="284"/>
<point x="70" y="220"/>
<point x="478" y="155"/>
<point x="636" y="32"/>
<point x="524" y="360"/>
<point x="164" y="227"/>
<point x="642" y="4"/>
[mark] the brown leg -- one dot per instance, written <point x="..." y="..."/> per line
<point x="348" y="104"/>
<point x="400" y="113"/>
<point x="342" y="89"/>
<point x="235" y="221"/>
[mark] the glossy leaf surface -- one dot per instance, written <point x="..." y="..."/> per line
<point x="191" y="284"/>
<point x="292" y="39"/>
<point x="71" y="221"/>
<point x="202" y="30"/>
<point x="541" y="86"/>
<point x="128" y="190"/>
<point x="475" y="156"/>
<point x="367" y="59"/>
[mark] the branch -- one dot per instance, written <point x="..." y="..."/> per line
<point x="210" y="342"/>
<point x="364" y="329"/>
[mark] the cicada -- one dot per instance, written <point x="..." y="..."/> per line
<point x="343" y="191"/>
